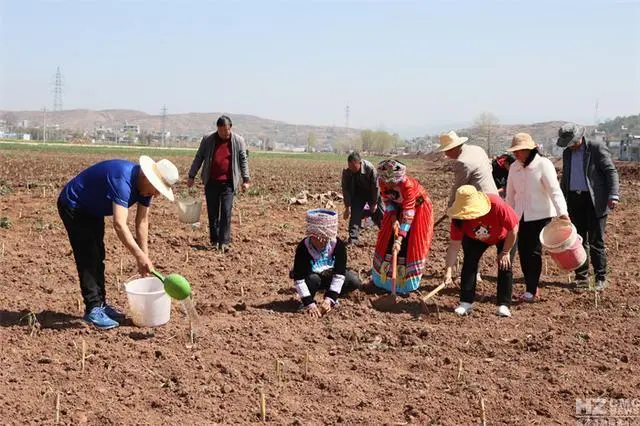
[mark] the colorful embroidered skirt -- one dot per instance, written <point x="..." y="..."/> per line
<point x="413" y="253"/>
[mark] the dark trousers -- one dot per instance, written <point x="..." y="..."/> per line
<point x="358" y="213"/>
<point x="86" y="235"/>
<point x="219" y="195"/>
<point x="530" y="251"/>
<point x="591" y="228"/>
<point x="473" y="251"/>
<point x="322" y="281"/>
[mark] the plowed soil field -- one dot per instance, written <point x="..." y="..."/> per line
<point x="355" y="366"/>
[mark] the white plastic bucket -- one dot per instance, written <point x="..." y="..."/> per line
<point x="189" y="210"/>
<point x="149" y="305"/>
<point x="558" y="235"/>
<point x="560" y="238"/>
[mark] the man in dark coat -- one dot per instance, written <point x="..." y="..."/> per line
<point x="591" y="186"/>
<point x="359" y="188"/>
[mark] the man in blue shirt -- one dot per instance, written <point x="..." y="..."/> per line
<point x="591" y="186"/>
<point x="110" y="188"/>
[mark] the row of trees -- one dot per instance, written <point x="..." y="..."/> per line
<point x="378" y="141"/>
<point x="622" y="125"/>
<point x="485" y="124"/>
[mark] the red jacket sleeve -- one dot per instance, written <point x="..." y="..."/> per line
<point x="409" y="191"/>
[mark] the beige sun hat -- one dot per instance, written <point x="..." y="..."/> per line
<point x="162" y="175"/>
<point x="450" y="140"/>
<point x="469" y="204"/>
<point x="522" y="141"/>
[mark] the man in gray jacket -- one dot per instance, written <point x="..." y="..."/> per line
<point x="223" y="157"/>
<point x="471" y="166"/>
<point x="590" y="185"/>
<point x="360" y="187"/>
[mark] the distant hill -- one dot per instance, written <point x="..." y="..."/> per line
<point x="544" y="134"/>
<point x="615" y="126"/>
<point x="190" y="124"/>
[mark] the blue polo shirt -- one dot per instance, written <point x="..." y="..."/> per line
<point x="96" y="188"/>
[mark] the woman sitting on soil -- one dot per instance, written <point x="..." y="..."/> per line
<point x="534" y="193"/>
<point x="407" y="209"/>
<point x="321" y="263"/>
<point x="482" y="220"/>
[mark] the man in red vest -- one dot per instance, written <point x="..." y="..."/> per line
<point x="225" y="168"/>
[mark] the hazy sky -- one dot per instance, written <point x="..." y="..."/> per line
<point x="405" y="66"/>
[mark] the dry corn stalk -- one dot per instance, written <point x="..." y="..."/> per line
<point x="58" y="408"/>
<point x="84" y="353"/>
<point x="280" y="370"/>
<point x="306" y="365"/>
<point x="263" y="404"/>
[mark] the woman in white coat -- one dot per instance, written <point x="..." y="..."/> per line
<point x="534" y="193"/>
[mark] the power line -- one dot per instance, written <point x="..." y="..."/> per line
<point x="57" y="92"/>
<point x="346" y="119"/>
<point x="44" y="124"/>
<point x="164" y="124"/>
<point x="57" y="103"/>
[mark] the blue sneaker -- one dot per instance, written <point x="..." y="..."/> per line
<point x="99" y="319"/>
<point x="113" y="313"/>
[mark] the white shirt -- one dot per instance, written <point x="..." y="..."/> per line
<point x="534" y="191"/>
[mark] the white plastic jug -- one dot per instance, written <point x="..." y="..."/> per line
<point x="149" y="304"/>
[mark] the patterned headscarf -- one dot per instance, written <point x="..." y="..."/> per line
<point x="392" y="171"/>
<point x="322" y="223"/>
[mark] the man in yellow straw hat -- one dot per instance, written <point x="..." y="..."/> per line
<point x="110" y="188"/>
<point x="479" y="221"/>
<point x="471" y="166"/>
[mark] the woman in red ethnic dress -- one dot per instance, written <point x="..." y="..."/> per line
<point x="408" y="203"/>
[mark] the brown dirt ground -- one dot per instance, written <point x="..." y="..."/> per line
<point x="365" y="366"/>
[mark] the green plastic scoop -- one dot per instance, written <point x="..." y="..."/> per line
<point x="175" y="285"/>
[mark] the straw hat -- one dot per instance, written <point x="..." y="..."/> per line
<point x="469" y="203"/>
<point x="450" y="140"/>
<point x="522" y="141"/>
<point x="162" y="175"/>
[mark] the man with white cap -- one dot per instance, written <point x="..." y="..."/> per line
<point x="110" y="188"/>
<point x="471" y="166"/>
<point x="591" y="186"/>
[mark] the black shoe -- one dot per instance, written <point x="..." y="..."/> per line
<point x="580" y="284"/>
<point x="358" y="285"/>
